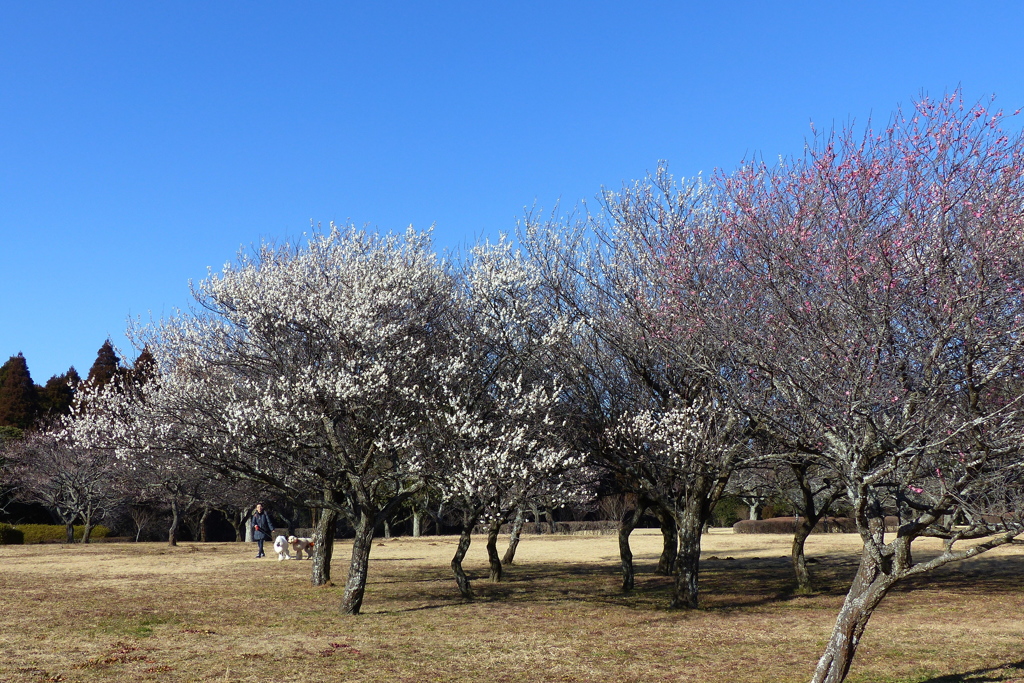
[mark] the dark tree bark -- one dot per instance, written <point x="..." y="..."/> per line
<point x="465" y="538"/>
<point x="514" y="535"/>
<point x="172" y="532"/>
<point x="355" y="585"/>
<point x="69" y="531"/>
<point x="670" y="543"/>
<point x="323" y="548"/>
<point x="492" y="549"/>
<point x="803" y="576"/>
<point x="690" y="523"/>
<point x="810" y="514"/>
<point x="630" y="518"/>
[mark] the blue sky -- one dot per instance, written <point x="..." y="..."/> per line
<point x="141" y="143"/>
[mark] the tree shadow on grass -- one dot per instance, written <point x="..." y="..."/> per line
<point x="1003" y="673"/>
<point x="726" y="584"/>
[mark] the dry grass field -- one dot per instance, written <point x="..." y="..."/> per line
<point x="211" y="612"/>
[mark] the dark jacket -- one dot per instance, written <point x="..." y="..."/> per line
<point x="262" y="527"/>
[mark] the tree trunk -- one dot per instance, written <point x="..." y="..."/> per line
<point x="355" y="585"/>
<point x="803" y="576"/>
<point x="670" y="544"/>
<point x="323" y="548"/>
<point x="417" y="529"/>
<point x="387" y="529"/>
<point x="868" y="588"/>
<point x="492" y="549"/>
<point x="172" y="532"/>
<point x="513" y="538"/>
<point x="87" y="524"/>
<point x="202" y="524"/>
<point x="465" y="538"/>
<point x="630" y="518"/>
<point x="690" y="522"/>
<point x="69" y="531"/>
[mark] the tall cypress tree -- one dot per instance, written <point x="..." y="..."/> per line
<point x="19" y="398"/>
<point x="58" y="393"/>
<point x="144" y="369"/>
<point x="106" y="368"/>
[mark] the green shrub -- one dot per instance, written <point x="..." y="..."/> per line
<point x="727" y="512"/>
<point x="56" y="533"/>
<point x="10" y="536"/>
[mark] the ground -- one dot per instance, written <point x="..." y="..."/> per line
<point x="211" y="612"/>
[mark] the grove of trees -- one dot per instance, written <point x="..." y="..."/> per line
<point x="845" y="328"/>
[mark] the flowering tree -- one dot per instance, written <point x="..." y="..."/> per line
<point x="870" y="301"/>
<point x="641" y="406"/>
<point x="497" y="437"/>
<point x="308" y="369"/>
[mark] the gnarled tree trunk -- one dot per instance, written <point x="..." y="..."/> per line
<point x="465" y="538"/>
<point x="628" y="522"/>
<point x="172" y="532"/>
<point x="355" y="585"/>
<point x="670" y="543"/>
<point x="690" y="524"/>
<point x="803" y="577"/>
<point x="492" y="549"/>
<point x="868" y="588"/>
<point x="323" y="547"/>
<point x="513" y="538"/>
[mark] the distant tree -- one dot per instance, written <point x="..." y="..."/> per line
<point x="106" y="368"/>
<point x="19" y="397"/>
<point x="73" y="482"/>
<point x="56" y="396"/>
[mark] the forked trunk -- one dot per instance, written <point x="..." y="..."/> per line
<point x="87" y="531"/>
<point x="465" y="538"/>
<point x="868" y="588"/>
<point x="492" y="549"/>
<point x="355" y="586"/>
<point x="670" y="545"/>
<point x="513" y="537"/>
<point x="630" y="519"/>
<point x="323" y="548"/>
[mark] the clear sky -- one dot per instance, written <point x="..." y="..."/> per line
<point x="141" y="142"/>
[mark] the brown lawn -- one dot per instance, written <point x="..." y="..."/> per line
<point x="211" y="612"/>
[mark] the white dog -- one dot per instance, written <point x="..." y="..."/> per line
<point x="300" y="545"/>
<point x="281" y="548"/>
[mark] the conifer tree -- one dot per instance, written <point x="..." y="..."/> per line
<point x="19" y="398"/>
<point x="57" y="394"/>
<point x="106" y="368"/>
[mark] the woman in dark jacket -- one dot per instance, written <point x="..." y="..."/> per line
<point x="262" y="528"/>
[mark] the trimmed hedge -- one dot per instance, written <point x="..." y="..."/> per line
<point x="11" y="536"/>
<point x="787" y="525"/>
<point x="56" y="533"/>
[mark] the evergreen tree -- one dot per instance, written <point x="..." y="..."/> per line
<point x="19" y="398"/>
<point x="144" y="369"/>
<point x="56" y="396"/>
<point x="106" y="369"/>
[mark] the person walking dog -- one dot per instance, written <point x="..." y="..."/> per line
<point x="262" y="528"/>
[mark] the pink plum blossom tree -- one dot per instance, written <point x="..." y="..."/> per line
<point x="869" y="302"/>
